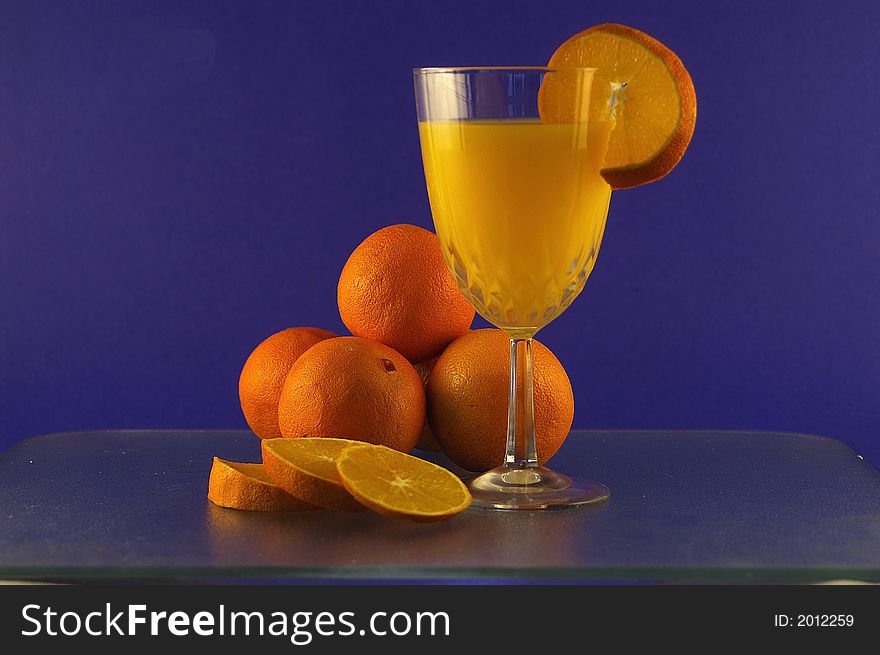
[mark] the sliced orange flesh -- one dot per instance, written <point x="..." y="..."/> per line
<point x="401" y="486"/>
<point x="247" y="486"/>
<point x="654" y="104"/>
<point x="305" y="467"/>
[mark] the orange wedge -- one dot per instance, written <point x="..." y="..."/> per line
<point x="246" y="486"/>
<point x="305" y="467"/>
<point x="401" y="486"/>
<point x="654" y="103"/>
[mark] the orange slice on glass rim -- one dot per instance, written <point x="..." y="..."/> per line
<point x="247" y="486"/>
<point x="401" y="486"/>
<point x="305" y="467"/>
<point x="653" y="102"/>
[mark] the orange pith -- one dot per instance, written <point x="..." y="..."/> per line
<point x="401" y="486"/>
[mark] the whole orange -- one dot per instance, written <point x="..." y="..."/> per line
<point x="396" y="289"/>
<point x="262" y="377"/>
<point x="353" y="388"/>
<point x="467" y="400"/>
<point x="426" y="439"/>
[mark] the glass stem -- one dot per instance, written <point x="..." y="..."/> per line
<point x="524" y="454"/>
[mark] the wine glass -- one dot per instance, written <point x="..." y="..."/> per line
<point x="512" y="159"/>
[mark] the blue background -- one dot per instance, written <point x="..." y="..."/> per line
<point x="178" y="181"/>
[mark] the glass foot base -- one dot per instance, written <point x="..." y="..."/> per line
<point x="532" y="488"/>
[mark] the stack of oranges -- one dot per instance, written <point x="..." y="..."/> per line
<point x="338" y="414"/>
<point x="413" y="374"/>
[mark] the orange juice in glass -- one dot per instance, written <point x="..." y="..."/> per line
<point x="519" y="206"/>
<point x="541" y="206"/>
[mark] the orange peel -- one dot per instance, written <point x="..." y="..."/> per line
<point x="240" y="485"/>
<point x="654" y="102"/>
<point x="306" y="468"/>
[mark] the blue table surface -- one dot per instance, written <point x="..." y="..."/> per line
<point x="686" y="506"/>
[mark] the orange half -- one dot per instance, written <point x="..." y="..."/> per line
<point x="305" y="467"/>
<point x="401" y="486"/>
<point x="247" y="486"/>
<point x="654" y="104"/>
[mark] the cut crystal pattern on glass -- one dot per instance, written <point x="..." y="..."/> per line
<point x="519" y="204"/>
